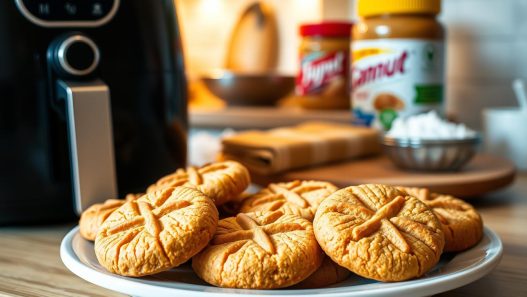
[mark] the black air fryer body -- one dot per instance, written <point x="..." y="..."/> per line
<point x="133" y="48"/>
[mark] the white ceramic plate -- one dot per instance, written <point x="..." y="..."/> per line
<point x="453" y="270"/>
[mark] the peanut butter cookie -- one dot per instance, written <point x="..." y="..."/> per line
<point x="462" y="224"/>
<point x="93" y="217"/>
<point x="296" y="197"/>
<point x="221" y="181"/>
<point x="156" y="232"/>
<point x="328" y="273"/>
<point x="379" y="232"/>
<point x="263" y="250"/>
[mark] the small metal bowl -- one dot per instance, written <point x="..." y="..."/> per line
<point x="249" y="89"/>
<point x="430" y="155"/>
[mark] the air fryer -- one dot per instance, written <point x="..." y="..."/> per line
<point x="92" y="103"/>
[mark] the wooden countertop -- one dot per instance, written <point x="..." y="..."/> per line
<point x="239" y="117"/>
<point x="30" y="264"/>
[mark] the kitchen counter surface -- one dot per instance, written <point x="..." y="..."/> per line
<point x="30" y="264"/>
<point x="240" y="117"/>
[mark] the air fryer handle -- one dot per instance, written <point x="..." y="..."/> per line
<point x="91" y="141"/>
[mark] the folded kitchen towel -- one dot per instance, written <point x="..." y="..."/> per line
<point x="311" y="143"/>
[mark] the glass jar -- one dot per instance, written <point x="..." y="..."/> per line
<point x="397" y="63"/>
<point x="323" y="77"/>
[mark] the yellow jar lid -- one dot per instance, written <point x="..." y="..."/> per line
<point x="377" y="7"/>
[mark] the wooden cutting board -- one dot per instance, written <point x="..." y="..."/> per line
<point x="253" y="45"/>
<point x="485" y="173"/>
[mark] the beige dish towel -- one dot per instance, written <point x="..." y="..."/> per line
<point x="311" y="143"/>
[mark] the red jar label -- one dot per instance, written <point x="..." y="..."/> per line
<point x="319" y="69"/>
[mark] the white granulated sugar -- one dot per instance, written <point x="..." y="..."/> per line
<point x="428" y="126"/>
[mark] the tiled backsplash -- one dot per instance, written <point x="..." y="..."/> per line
<point x="487" y="49"/>
<point x="487" y="43"/>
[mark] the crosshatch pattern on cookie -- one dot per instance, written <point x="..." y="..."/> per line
<point x="106" y="208"/>
<point x="251" y="230"/>
<point x="158" y="231"/>
<point x="296" y="197"/>
<point x="222" y="182"/>
<point x="93" y="217"/>
<point x="379" y="232"/>
<point x="379" y="221"/>
<point x="147" y="217"/>
<point x="448" y="209"/>
<point x="461" y="223"/>
<point x="192" y="175"/>
<point x="262" y="250"/>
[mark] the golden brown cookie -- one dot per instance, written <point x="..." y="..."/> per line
<point x="263" y="250"/>
<point x="93" y="217"/>
<point x="462" y="224"/>
<point x="221" y="181"/>
<point x="379" y="232"/>
<point x="296" y="197"/>
<point x="328" y="273"/>
<point x="158" y="231"/>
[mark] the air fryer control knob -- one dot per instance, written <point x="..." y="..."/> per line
<point x="76" y="55"/>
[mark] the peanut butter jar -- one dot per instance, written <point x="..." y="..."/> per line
<point x="323" y="78"/>
<point x="397" y="66"/>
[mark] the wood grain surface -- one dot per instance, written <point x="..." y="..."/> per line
<point x="241" y="117"/>
<point x="483" y="174"/>
<point x="30" y="264"/>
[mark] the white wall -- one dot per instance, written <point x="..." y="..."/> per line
<point x="487" y="49"/>
<point x="486" y="46"/>
<point x="207" y="24"/>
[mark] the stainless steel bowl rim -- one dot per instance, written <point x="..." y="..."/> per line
<point x="418" y="142"/>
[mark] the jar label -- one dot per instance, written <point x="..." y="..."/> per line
<point x="395" y="77"/>
<point x="319" y="70"/>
